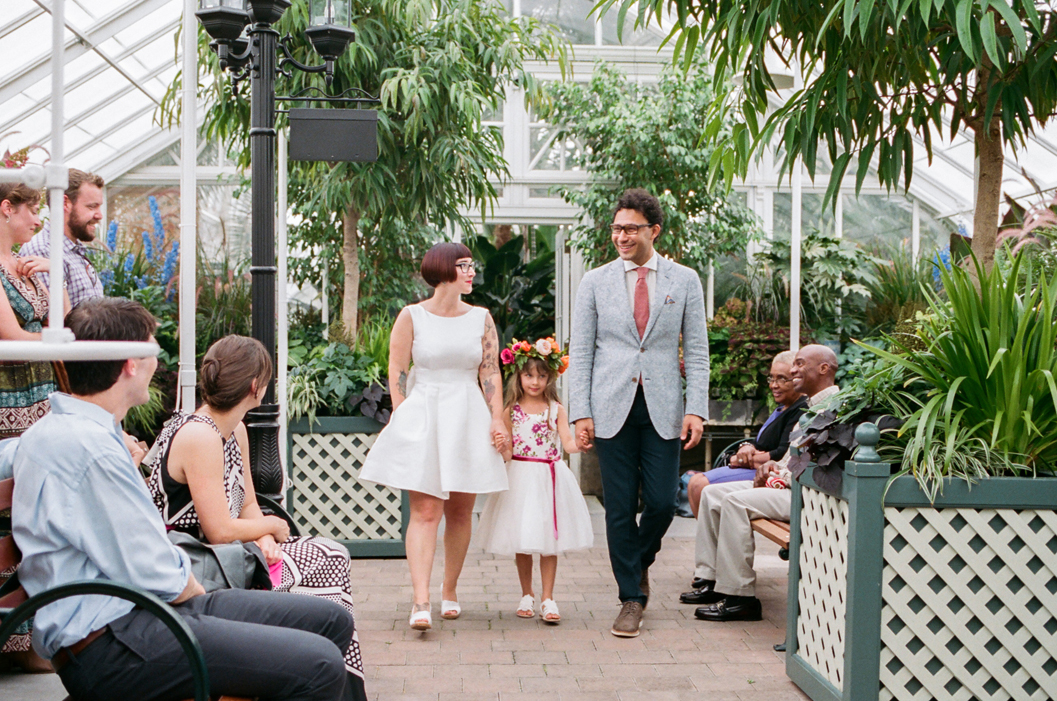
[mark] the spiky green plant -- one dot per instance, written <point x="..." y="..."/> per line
<point x="989" y="361"/>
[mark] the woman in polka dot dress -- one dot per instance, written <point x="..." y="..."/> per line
<point x="202" y="486"/>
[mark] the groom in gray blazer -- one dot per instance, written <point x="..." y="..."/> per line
<point x="626" y="390"/>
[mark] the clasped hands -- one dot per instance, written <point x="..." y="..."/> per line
<point x="748" y="456"/>
<point x="500" y="436"/>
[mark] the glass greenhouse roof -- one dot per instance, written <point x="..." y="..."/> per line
<point x="120" y="57"/>
<point x="122" y="54"/>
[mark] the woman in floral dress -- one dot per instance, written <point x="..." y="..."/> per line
<point x="24" y="386"/>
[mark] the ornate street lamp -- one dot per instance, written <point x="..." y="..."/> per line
<point x="257" y="56"/>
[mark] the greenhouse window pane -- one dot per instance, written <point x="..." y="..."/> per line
<point x="568" y="17"/>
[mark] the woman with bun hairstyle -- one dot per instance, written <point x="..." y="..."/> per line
<point x="202" y="485"/>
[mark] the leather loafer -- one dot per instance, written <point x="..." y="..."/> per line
<point x="701" y="596"/>
<point x="732" y="608"/>
<point x="699" y="582"/>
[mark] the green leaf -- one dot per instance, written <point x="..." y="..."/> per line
<point x="987" y="33"/>
<point x="963" y="20"/>
<point x="1013" y="24"/>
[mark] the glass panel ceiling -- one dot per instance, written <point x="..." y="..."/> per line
<point x="121" y="55"/>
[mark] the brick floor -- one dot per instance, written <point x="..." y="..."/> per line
<point x="489" y="653"/>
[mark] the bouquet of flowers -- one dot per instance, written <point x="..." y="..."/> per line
<point x="546" y="349"/>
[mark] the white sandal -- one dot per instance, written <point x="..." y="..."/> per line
<point x="549" y="611"/>
<point x="421" y="619"/>
<point x="527" y="607"/>
<point x="450" y="610"/>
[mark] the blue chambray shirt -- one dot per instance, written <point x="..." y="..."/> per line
<point x="81" y="510"/>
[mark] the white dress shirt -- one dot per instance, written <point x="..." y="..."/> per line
<point x="631" y="276"/>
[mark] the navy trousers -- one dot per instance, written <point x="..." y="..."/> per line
<point x="637" y="457"/>
<point x="261" y="644"/>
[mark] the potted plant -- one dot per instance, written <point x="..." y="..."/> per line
<point x="338" y="402"/>
<point x="937" y="581"/>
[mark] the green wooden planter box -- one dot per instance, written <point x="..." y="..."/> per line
<point x="912" y="600"/>
<point x="326" y="497"/>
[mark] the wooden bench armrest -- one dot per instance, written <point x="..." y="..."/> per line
<point x="774" y="531"/>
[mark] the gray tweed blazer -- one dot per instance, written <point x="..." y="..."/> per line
<point x="606" y="356"/>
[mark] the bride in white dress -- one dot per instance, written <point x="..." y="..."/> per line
<point x="444" y="440"/>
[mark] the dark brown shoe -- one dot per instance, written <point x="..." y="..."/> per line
<point x="629" y="620"/>
<point x="644" y="585"/>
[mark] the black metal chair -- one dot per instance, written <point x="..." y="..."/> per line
<point x="12" y="618"/>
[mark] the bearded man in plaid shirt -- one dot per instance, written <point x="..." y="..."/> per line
<point x="82" y="211"/>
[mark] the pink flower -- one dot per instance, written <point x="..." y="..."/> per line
<point x="543" y="347"/>
<point x="507" y="356"/>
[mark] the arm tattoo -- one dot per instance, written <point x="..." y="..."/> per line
<point x="489" y="359"/>
<point x="401" y="383"/>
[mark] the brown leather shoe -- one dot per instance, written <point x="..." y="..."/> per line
<point x="644" y="585"/>
<point x="629" y="620"/>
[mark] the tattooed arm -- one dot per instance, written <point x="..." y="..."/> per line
<point x="492" y="383"/>
<point x="400" y="356"/>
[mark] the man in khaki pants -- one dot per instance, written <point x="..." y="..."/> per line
<point x="725" y="548"/>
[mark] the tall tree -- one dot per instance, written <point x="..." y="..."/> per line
<point x="439" y="67"/>
<point x="876" y="75"/>
<point x="647" y="136"/>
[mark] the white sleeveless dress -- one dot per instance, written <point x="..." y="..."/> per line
<point x="544" y="511"/>
<point x="439" y="439"/>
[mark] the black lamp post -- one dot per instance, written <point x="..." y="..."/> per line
<point x="256" y="55"/>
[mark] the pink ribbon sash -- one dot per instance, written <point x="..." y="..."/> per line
<point x="554" y="486"/>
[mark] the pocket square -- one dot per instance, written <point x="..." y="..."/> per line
<point x="668" y="300"/>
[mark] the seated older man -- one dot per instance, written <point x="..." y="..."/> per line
<point x="724" y="580"/>
<point x="771" y="443"/>
<point x="81" y="510"/>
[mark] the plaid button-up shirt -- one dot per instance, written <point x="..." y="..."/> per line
<point x="82" y="282"/>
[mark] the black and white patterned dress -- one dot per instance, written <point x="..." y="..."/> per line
<point x="311" y="565"/>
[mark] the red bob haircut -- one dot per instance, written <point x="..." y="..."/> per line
<point x="438" y="265"/>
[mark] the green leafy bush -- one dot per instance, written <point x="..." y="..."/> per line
<point x="980" y="397"/>
<point x="518" y="293"/>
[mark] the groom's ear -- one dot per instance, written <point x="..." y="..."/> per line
<point x="656" y="232"/>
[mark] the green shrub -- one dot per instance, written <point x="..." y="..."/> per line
<point x="981" y="394"/>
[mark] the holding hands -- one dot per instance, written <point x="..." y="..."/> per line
<point x="500" y="436"/>
<point x="585" y="434"/>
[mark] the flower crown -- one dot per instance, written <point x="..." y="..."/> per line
<point x="546" y="349"/>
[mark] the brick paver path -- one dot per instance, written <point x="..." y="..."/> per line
<point x="489" y="653"/>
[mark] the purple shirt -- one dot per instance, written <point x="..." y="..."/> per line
<point x="79" y="274"/>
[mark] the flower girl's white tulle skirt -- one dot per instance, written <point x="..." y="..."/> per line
<point x="522" y="519"/>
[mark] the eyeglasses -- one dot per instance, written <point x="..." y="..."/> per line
<point x="778" y="380"/>
<point x="466" y="268"/>
<point x="629" y="229"/>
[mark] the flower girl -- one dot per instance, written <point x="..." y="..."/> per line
<point x="544" y="511"/>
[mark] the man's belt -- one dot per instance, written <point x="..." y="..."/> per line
<point x="62" y="657"/>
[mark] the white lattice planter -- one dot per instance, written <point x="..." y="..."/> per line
<point x="915" y="601"/>
<point x="327" y="499"/>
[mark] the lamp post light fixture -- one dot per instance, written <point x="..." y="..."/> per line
<point x="257" y="56"/>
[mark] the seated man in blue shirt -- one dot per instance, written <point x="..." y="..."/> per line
<point x="82" y="511"/>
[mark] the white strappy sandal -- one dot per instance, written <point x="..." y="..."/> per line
<point x="527" y="607"/>
<point x="450" y="610"/>
<point x="549" y="611"/>
<point x="421" y="618"/>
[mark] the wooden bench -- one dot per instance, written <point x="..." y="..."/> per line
<point x="776" y="532"/>
<point x="12" y="595"/>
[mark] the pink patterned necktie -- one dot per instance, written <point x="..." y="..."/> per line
<point x="642" y="301"/>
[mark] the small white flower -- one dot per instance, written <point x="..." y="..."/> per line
<point x="543" y="347"/>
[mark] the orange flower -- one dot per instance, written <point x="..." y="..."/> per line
<point x="565" y="365"/>
<point x="525" y="346"/>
